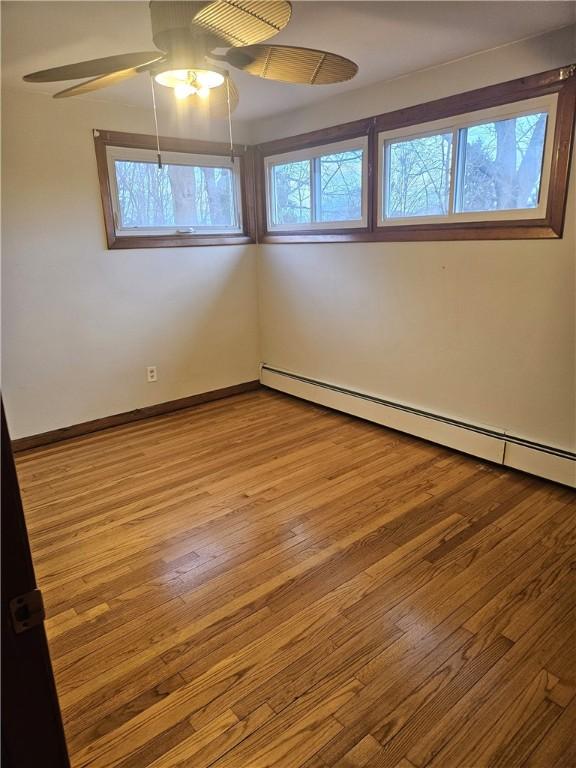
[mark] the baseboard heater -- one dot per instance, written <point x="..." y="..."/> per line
<point x="488" y="443"/>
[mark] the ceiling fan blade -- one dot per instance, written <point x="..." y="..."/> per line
<point x="95" y="67"/>
<point x="216" y="102"/>
<point x="244" y="22"/>
<point x="290" y="64"/>
<point x="97" y="83"/>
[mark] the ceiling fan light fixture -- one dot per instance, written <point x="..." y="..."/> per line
<point x="183" y="90"/>
<point x="186" y="82"/>
<point x="188" y="36"/>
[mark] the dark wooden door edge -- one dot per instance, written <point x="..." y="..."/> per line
<point x="96" y="425"/>
<point x="32" y="732"/>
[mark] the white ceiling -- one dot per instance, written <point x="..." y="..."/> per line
<point x="386" y="39"/>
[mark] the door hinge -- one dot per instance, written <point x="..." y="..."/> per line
<point x="27" y="611"/>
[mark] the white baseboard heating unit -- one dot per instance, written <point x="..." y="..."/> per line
<point x="489" y="443"/>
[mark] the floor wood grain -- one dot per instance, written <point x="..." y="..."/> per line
<point x="262" y="582"/>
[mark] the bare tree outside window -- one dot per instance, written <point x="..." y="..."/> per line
<point x="498" y="167"/>
<point x="185" y="195"/>
<point x="503" y="164"/>
<point x="419" y="176"/>
<point x="340" y="197"/>
<point x="292" y="193"/>
<point x="325" y="188"/>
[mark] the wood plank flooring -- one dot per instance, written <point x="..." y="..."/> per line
<point x="259" y="582"/>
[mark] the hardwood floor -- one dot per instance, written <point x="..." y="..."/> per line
<point x="261" y="582"/>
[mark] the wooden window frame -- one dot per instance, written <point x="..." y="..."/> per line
<point x="104" y="139"/>
<point x="560" y="81"/>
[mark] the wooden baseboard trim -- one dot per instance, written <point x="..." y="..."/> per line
<point x="118" y="419"/>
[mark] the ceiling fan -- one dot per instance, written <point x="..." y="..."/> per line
<point x="189" y="37"/>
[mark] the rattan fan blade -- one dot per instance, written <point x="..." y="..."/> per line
<point x="97" y="83"/>
<point x="95" y="67"/>
<point x="244" y="22"/>
<point x="290" y="64"/>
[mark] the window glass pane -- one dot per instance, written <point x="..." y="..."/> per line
<point x="340" y="192"/>
<point x="174" y="195"/>
<point x="418" y="176"/>
<point x="502" y="164"/>
<point x="291" y="193"/>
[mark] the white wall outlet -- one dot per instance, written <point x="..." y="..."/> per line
<point x="151" y="373"/>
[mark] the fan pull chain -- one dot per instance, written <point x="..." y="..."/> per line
<point x="156" y="121"/>
<point x="229" y="116"/>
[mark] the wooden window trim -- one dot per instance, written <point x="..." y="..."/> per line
<point x="253" y="183"/>
<point x="561" y="81"/>
<point x="103" y="139"/>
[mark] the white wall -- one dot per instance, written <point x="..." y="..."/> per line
<point x="479" y="331"/>
<point x="80" y="322"/>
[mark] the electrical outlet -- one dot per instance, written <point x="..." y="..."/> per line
<point x="151" y="373"/>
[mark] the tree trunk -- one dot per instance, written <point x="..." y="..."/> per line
<point x="505" y="164"/>
<point x="218" y="196"/>
<point x="531" y="165"/>
<point x="183" y="186"/>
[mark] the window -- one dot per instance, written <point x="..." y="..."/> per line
<point x="320" y="188"/>
<point x="487" y="164"/>
<point x="418" y="180"/>
<point x="292" y="193"/>
<point x="196" y="197"/>
<point x="188" y="194"/>
<point x="483" y="166"/>
<point x="501" y="167"/>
